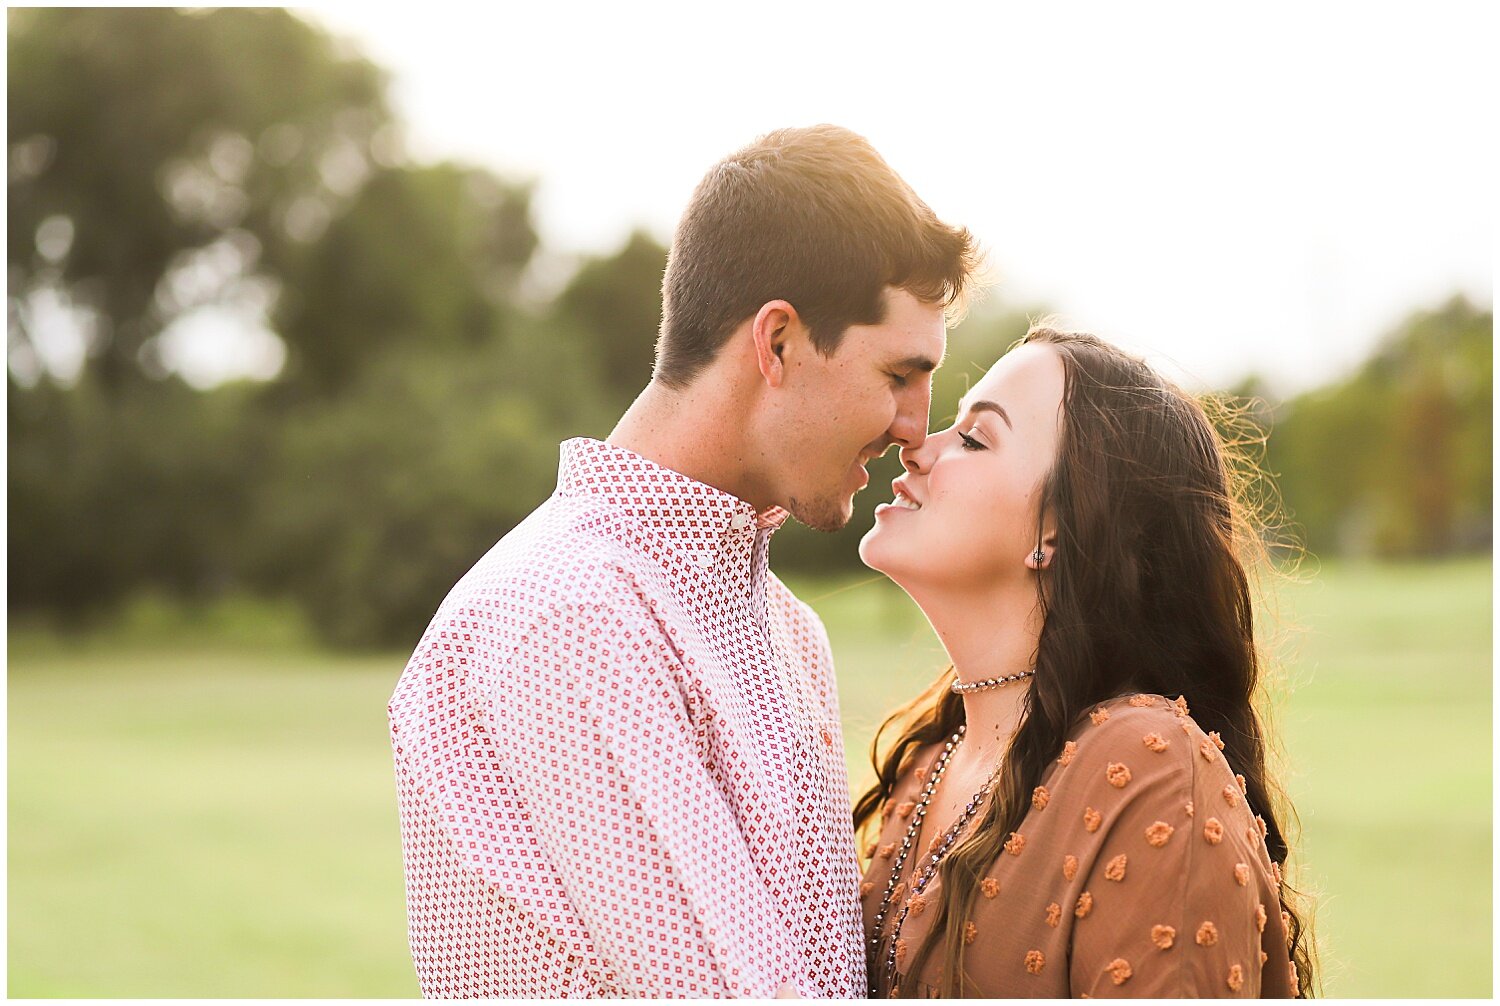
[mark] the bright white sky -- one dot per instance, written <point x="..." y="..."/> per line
<point x="1226" y="188"/>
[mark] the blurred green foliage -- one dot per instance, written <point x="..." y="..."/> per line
<point x="424" y="258"/>
<point x="147" y="135"/>
<point x="145" y="488"/>
<point x="162" y="160"/>
<point x="378" y="501"/>
<point x="615" y="304"/>
<point x="1395" y="460"/>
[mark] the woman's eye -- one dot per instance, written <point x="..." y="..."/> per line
<point x="970" y="444"/>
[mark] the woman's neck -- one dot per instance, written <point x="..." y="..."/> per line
<point x="988" y="635"/>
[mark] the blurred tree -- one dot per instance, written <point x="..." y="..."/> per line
<point x="141" y="138"/>
<point x="160" y="158"/>
<point x="1396" y="459"/>
<point x="157" y="159"/>
<point x="425" y="256"/>
<point x="615" y="301"/>
<point x="146" y="487"/>
<point x="379" y="500"/>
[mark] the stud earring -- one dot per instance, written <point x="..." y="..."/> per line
<point x="1038" y="557"/>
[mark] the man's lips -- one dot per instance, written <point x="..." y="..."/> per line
<point x="864" y="473"/>
<point x="862" y="461"/>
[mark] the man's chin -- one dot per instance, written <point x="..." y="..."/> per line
<point x="828" y="515"/>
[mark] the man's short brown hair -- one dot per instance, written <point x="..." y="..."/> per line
<point x="811" y="216"/>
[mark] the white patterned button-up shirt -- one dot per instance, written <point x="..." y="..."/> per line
<point x="619" y="758"/>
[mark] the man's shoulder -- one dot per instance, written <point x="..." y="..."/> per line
<point x="554" y="575"/>
<point x="570" y="554"/>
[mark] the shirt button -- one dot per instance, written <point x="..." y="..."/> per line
<point x="739" y="521"/>
<point x="703" y="560"/>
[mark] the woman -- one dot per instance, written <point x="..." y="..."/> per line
<point x="1080" y="805"/>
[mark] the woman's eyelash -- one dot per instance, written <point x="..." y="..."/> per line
<point x="970" y="444"/>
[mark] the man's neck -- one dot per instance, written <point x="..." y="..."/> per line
<point x="697" y="431"/>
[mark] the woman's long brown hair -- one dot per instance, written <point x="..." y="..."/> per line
<point x="1147" y="592"/>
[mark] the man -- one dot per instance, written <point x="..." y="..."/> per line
<point x="618" y="748"/>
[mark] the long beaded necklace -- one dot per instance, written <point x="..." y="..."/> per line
<point x="929" y="865"/>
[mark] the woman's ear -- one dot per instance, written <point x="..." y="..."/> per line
<point x="1042" y="556"/>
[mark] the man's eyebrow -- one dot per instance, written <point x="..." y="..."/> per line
<point x="984" y="405"/>
<point x="919" y="362"/>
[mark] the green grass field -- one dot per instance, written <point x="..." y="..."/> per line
<point x="218" y="818"/>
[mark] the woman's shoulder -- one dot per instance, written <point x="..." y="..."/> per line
<point x="1140" y="736"/>
<point x="1142" y="744"/>
<point x="1137" y="722"/>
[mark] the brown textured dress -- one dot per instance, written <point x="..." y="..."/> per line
<point x="1139" y="871"/>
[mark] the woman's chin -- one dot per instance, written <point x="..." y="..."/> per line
<point x="875" y="551"/>
<point x="871" y="547"/>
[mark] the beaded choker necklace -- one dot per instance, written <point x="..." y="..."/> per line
<point x="929" y="865"/>
<point x="965" y="687"/>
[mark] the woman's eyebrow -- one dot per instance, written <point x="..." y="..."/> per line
<point x="983" y="405"/>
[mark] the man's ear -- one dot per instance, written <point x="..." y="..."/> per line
<point x="770" y="330"/>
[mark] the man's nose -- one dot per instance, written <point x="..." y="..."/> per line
<point x="917" y="459"/>
<point x="909" y="428"/>
<point x="916" y="446"/>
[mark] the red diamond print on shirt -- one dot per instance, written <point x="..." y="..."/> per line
<point x="619" y="758"/>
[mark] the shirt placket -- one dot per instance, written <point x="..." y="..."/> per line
<point x="725" y="558"/>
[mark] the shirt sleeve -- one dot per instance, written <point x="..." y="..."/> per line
<point x="1171" y="901"/>
<point x="593" y="717"/>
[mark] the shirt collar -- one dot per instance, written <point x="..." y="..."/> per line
<point x="687" y="512"/>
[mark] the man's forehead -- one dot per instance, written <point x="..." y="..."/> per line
<point x="920" y="347"/>
<point x="911" y="336"/>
